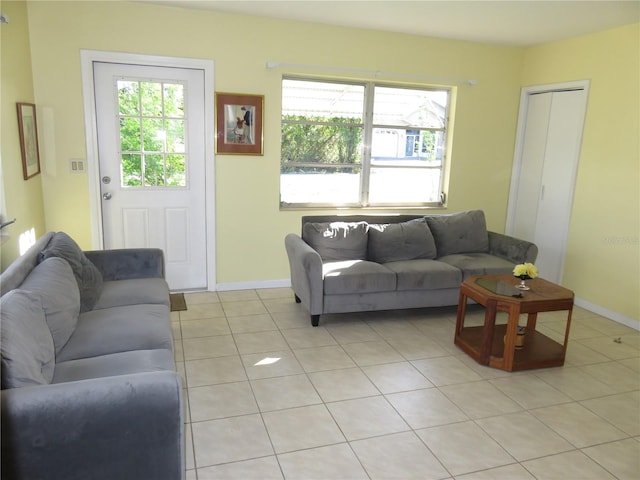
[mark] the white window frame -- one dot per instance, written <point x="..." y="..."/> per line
<point x="366" y="160"/>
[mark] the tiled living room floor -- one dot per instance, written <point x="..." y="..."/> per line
<point x="387" y="395"/>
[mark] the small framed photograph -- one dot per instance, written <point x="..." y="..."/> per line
<point x="28" y="129"/>
<point x="239" y="120"/>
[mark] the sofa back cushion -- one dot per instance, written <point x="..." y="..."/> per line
<point x="392" y="242"/>
<point x="337" y="240"/>
<point x="88" y="277"/>
<point x="54" y="282"/>
<point x="26" y="344"/>
<point x="463" y="232"/>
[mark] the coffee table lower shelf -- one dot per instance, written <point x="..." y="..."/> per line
<point x="539" y="351"/>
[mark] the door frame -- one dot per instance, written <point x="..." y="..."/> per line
<point x="87" y="59"/>
<point x="525" y="94"/>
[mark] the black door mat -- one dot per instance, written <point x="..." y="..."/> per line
<point x="178" y="303"/>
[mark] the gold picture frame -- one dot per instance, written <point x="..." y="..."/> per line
<point x="28" y="129"/>
<point x="239" y="124"/>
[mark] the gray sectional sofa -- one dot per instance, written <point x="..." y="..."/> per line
<point x="89" y="384"/>
<point x="355" y="263"/>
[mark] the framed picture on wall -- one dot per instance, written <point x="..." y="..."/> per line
<point x="239" y="120"/>
<point x="28" y="129"/>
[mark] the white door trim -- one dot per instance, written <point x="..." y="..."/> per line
<point x="87" y="58"/>
<point x="525" y="93"/>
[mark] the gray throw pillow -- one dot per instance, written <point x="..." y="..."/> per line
<point x="392" y="242"/>
<point x="463" y="232"/>
<point x="337" y="240"/>
<point x="54" y="282"/>
<point x="26" y="345"/>
<point x="87" y="275"/>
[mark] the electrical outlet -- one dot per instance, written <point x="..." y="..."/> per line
<point x="76" y="165"/>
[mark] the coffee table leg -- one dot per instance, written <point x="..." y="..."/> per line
<point x="462" y="311"/>
<point x="487" y="332"/>
<point x="531" y="321"/>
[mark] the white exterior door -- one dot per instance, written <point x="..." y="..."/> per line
<point x="151" y="147"/>
<point x="544" y="174"/>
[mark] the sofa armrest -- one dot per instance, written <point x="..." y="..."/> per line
<point x="305" y="265"/>
<point x="512" y="249"/>
<point x="127" y="426"/>
<point x="128" y="263"/>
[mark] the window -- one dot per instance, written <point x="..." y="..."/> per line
<point x="361" y="144"/>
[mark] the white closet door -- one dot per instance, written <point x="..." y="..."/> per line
<point x="541" y="209"/>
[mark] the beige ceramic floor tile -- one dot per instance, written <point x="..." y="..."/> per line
<point x="366" y="417"/>
<point x="293" y="319"/>
<point x="573" y="382"/>
<point x="306" y="337"/>
<point x="621" y="458"/>
<point x="344" y="384"/>
<point x="202" y="310"/>
<point x="227" y="440"/>
<point x="394" y="328"/>
<point x="265" y="468"/>
<point x="565" y="466"/>
<point x="242" y="308"/>
<point x="578" y="354"/>
<point x="301" y="428"/>
<point x="323" y="463"/>
<point x="508" y="472"/>
<point x="208" y="347"/>
<point x="372" y="353"/>
<point x="480" y="399"/>
<point x="577" y="424"/>
<point x="622" y="410"/>
<point x="219" y="401"/>
<point x="464" y="447"/>
<point x="529" y="391"/>
<point x="426" y="408"/>
<point x="211" y="371"/>
<point x="615" y="375"/>
<point x="259" y="342"/>
<point x="252" y="323"/>
<point x="352" y="332"/>
<point x="608" y="347"/>
<point x="205" y="327"/>
<point x="200" y="297"/>
<point x="271" y="364"/>
<point x="278" y="292"/>
<point x="399" y="456"/>
<point x="416" y="347"/>
<point x="298" y="388"/>
<point x="323" y="358"/>
<point x="524" y="436"/>
<point x="396" y="377"/>
<point x="445" y="370"/>
<point x="238" y="296"/>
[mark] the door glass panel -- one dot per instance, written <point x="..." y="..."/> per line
<point x="152" y="134"/>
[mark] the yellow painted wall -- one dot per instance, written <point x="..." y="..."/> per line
<point x="250" y="227"/>
<point x="23" y="199"/>
<point x="603" y="252"/>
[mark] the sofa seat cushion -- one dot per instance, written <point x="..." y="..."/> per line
<point x="425" y="274"/>
<point x="87" y="275"/>
<point x="357" y="276"/>
<point x="462" y="232"/>
<point x="26" y="346"/>
<point x="54" y="282"/>
<point x="119" y="329"/>
<point x="478" y="264"/>
<point x="336" y="241"/>
<point x="119" y="293"/>
<point x="113" y="364"/>
<point x="391" y="242"/>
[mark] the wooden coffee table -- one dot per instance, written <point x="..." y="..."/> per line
<point x="487" y="343"/>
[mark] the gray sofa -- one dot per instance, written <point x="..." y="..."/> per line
<point x="89" y="384"/>
<point x="355" y="263"/>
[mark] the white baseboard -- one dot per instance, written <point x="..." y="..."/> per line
<point x="224" y="287"/>
<point x="610" y="314"/>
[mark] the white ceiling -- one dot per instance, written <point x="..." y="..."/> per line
<point x="506" y="22"/>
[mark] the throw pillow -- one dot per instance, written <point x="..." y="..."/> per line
<point x="26" y="345"/>
<point x="337" y="240"/>
<point x="463" y="232"/>
<point x="392" y="242"/>
<point x="54" y="282"/>
<point x="87" y="275"/>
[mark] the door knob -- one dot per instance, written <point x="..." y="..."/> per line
<point x="106" y="180"/>
<point x="106" y="196"/>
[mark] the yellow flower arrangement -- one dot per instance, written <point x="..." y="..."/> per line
<point x="525" y="270"/>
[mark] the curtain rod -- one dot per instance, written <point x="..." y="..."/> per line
<point x="272" y="64"/>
